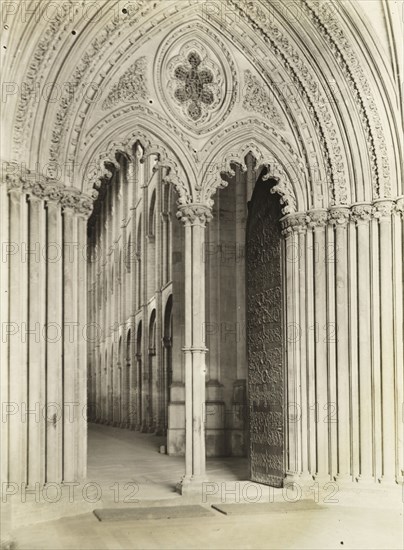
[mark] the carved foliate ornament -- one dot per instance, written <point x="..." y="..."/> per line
<point x="38" y="186"/>
<point x="339" y="215"/>
<point x="317" y="218"/>
<point x="294" y="223"/>
<point x="194" y="214"/>
<point x="259" y="100"/>
<point x="362" y="213"/>
<point x="383" y="209"/>
<point x="132" y="86"/>
<point x="399" y="207"/>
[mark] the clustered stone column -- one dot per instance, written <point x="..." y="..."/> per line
<point x="44" y="331"/>
<point x="344" y="318"/>
<point x="194" y="217"/>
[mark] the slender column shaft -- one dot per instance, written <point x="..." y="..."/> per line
<point x="198" y="353"/>
<point x="320" y="335"/>
<point x="353" y="348"/>
<point x="160" y="390"/>
<point x="81" y="373"/>
<point x="387" y="341"/>
<point x="17" y="376"/>
<point x="342" y="337"/>
<point x="189" y="448"/>
<point x="330" y="414"/>
<point x="54" y="374"/>
<point x="292" y="323"/>
<point x="310" y="346"/>
<point x="70" y="344"/>
<point x="301" y="334"/>
<point x="364" y="340"/>
<point x="134" y="381"/>
<point x="376" y="395"/>
<point x="194" y="217"/>
<point x="147" y="413"/>
<point x="398" y="281"/>
<point x="212" y="266"/>
<point x="4" y="309"/>
<point x="36" y="353"/>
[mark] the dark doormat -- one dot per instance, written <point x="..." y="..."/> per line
<point x="158" y="512"/>
<point x="252" y="508"/>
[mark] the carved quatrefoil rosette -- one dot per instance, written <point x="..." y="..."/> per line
<point x="195" y="83"/>
<point x="196" y="79"/>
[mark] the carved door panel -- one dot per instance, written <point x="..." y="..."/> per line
<point x="265" y="379"/>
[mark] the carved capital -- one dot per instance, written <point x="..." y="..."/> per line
<point x="294" y="223"/>
<point x="194" y="214"/>
<point x="362" y="213"/>
<point x="14" y="183"/>
<point x="317" y="218"/>
<point x="383" y="209"/>
<point x="399" y="206"/>
<point x="46" y="189"/>
<point x="339" y="215"/>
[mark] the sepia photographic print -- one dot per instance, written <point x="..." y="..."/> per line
<point x="202" y="235"/>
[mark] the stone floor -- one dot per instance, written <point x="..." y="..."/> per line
<point x="126" y="469"/>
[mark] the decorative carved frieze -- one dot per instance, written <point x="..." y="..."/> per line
<point x="341" y="215"/>
<point x="194" y="214"/>
<point x="132" y="86"/>
<point x="307" y="86"/>
<point x="45" y="48"/>
<point x="258" y="100"/>
<point x="85" y="67"/>
<point x="50" y="190"/>
<point x="361" y="92"/>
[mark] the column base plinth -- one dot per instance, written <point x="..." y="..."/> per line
<point x="191" y="486"/>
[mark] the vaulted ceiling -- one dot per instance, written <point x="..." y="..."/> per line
<point x="310" y="88"/>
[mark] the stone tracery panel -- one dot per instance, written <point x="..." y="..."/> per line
<point x="196" y="78"/>
<point x="194" y="83"/>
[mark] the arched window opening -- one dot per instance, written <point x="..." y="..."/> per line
<point x="152" y="216"/>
